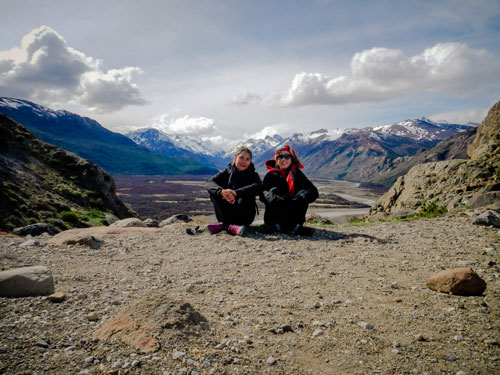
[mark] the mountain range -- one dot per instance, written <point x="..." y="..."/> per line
<point x="374" y="155"/>
<point x="112" y="151"/>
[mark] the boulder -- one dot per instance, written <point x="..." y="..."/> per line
<point x="459" y="281"/>
<point x="487" y="218"/>
<point x="34" y="229"/>
<point x="175" y="218"/>
<point x="151" y="223"/>
<point x="110" y="218"/>
<point x="130" y="222"/>
<point x="26" y="281"/>
<point x="82" y="235"/>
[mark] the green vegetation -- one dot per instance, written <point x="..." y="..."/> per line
<point x="80" y="218"/>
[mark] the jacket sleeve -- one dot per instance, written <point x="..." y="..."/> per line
<point x="252" y="190"/>
<point x="308" y="191"/>
<point x="271" y="192"/>
<point x="217" y="183"/>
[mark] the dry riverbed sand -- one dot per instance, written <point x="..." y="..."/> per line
<point x="349" y="300"/>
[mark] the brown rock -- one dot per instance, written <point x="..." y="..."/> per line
<point x="459" y="281"/>
<point x="57" y="297"/>
<point x="153" y="319"/>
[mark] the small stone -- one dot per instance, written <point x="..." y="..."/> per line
<point x="397" y="300"/>
<point x="117" y="364"/>
<point x="458" y="281"/>
<point x="460" y="372"/>
<point x="89" y="360"/>
<point x="395" y="351"/>
<point x="177" y="354"/>
<point x="42" y="343"/>
<point x="317" y="332"/>
<point x="366" y="325"/>
<point x="420" y="338"/>
<point x="93" y="316"/>
<point x="57" y="297"/>
<point x="271" y="361"/>
<point x="136" y="363"/>
<point x="458" y="338"/>
<point x="317" y="305"/>
<point x="450" y="358"/>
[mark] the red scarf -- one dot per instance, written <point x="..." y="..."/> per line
<point x="288" y="174"/>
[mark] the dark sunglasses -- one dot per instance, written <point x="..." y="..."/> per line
<point x="285" y="156"/>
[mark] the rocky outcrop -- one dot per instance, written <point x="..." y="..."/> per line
<point x="487" y="141"/>
<point x="452" y="184"/>
<point x="41" y="183"/>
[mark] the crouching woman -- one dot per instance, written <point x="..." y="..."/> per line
<point x="287" y="194"/>
<point x="233" y="193"/>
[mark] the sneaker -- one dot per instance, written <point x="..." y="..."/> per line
<point x="236" y="230"/>
<point x="215" y="228"/>
<point x="300" y="230"/>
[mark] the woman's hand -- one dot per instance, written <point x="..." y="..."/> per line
<point x="228" y="195"/>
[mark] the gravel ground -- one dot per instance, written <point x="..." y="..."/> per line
<point x="349" y="300"/>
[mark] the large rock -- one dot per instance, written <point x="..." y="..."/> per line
<point x="34" y="229"/>
<point x="130" y="222"/>
<point x="81" y="236"/>
<point x="452" y="183"/>
<point x="487" y="141"/>
<point x="460" y="281"/>
<point x="153" y="321"/>
<point x="487" y="218"/>
<point x="26" y="281"/>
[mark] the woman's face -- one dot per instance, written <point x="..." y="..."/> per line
<point x="284" y="159"/>
<point x="242" y="161"/>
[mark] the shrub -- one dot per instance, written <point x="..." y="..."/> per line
<point x="70" y="217"/>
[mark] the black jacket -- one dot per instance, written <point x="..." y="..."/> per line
<point x="276" y="187"/>
<point x="247" y="183"/>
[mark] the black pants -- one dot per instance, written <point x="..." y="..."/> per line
<point x="287" y="213"/>
<point x="242" y="212"/>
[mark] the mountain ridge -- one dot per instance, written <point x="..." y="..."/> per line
<point x="85" y="137"/>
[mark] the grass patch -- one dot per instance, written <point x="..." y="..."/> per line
<point x="80" y="218"/>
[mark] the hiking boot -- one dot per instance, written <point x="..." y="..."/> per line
<point x="301" y="230"/>
<point x="215" y="228"/>
<point x="236" y="230"/>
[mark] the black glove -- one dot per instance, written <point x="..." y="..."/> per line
<point x="274" y="195"/>
<point x="302" y="195"/>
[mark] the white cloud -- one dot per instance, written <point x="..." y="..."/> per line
<point x="200" y="126"/>
<point x="46" y="69"/>
<point x="282" y="129"/>
<point x="246" y="98"/>
<point x="462" y="117"/>
<point x="381" y="74"/>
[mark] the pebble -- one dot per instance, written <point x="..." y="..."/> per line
<point x="317" y="332"/>
<point x="366" y="325"/>
<point x="93" y="316"/>
<point x="450" y="358"/>
<point x="271" y="361"/>
<point x="176" y="354"/>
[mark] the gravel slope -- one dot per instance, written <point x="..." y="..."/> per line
<point x="349" y="300"/>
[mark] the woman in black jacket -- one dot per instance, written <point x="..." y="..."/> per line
<point x="287" y="194"/>
<point x="233" y="193"/>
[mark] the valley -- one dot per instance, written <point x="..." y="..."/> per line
<point x="162" y="196"/>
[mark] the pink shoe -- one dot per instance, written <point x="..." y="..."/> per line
<point x="215" y="228"/>
<point x="236" y="230"/>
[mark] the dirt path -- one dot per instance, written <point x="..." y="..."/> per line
<point x="349" y="300"/>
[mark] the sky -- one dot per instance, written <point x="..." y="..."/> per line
<point x="231" y="69"/>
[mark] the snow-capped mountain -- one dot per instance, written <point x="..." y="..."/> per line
<point x="88" y="139"/>
<point x="421" y="129"/>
